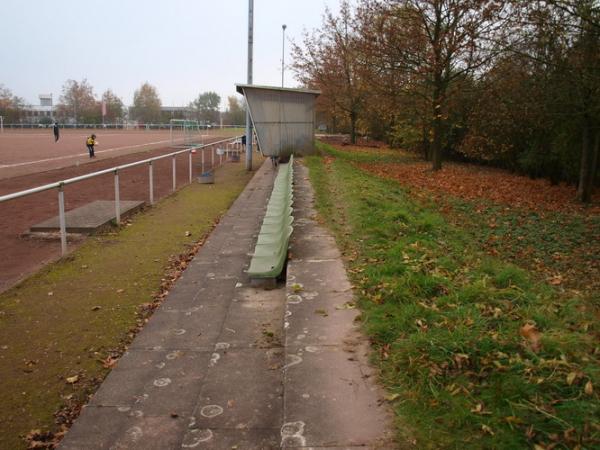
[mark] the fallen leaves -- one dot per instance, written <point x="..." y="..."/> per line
<point x="571" y="377"/>
<point x="391" y="397"/>
<point x="422" y="324"/>
<point x="472" y="182"/>
<point x="72" y="380"/>
<point x="109" y="362"/>
<point x="556" y="280"/>
<point x="532" y="335"/>
<point x="38" y="439"/>
<point x="487" y="430"/>
<point x="346" y="305"/>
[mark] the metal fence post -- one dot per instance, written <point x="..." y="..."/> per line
<point x="202" y="159"/>
<point x="174" y="173"/>
<point x="190" y="163"/>
<point x="151" y="181"/>
<point x="117" y="198"/>
<point x="212" y="161"/>
<point x="62" y="220"/>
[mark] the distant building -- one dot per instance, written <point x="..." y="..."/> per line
<point x="42" y="113"/>
<point x="176" y="112"/>
<point x="167" y="113"/>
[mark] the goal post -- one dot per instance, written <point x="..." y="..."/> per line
<point x="184" y="133"/>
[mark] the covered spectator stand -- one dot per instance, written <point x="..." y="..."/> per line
<point x="284" y="119"/>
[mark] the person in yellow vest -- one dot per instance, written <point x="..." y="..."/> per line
<point x="90" y="142"/>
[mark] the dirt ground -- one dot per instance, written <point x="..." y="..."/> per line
<point x="30" y="151"/>
<point x="21" y="255"/>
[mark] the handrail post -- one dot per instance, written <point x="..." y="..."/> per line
<point x="212" y="161"/>
<point x="174" y="173"/>
<point x="62" y="220"/>
<point x="202" y="159"/>
<point x="190" y="164"/>
<point x="117" y="198"/>
<point x="151" y="181"/>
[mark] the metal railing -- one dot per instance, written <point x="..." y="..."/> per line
<point x="115" y="170"/>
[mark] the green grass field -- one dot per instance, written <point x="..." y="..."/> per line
<point x="61" y="329"/>
<point x="476" y="349"/>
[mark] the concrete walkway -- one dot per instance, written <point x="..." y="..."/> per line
<point x="222" y="365"/>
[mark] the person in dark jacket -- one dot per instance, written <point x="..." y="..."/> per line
<point x="90" y="142"/>
<point x="56" y="131"/>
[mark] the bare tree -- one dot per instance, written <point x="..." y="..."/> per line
<point x="78" y="103"/>
<point x="236" y="111"/>
<point x="11" y="106"/>
<point x="206" y="107"/>
<point x="146" y="104"/>
<point x="444" y="40"/>
<point x="114" y="106"/>
<point x="570" y="55"/>
<point x="328" y="60"/>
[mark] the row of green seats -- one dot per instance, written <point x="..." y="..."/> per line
<point x="271" y="248"/>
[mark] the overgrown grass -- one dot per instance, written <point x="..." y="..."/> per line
<point x="559" y="247"/>
<point x="67" y="320"/>
<point x="476" y="352"/>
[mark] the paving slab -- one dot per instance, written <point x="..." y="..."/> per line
<point x="308" y="245"/>
<point x="88" y="218"/>
<point x="330" y="392"/>
<point x="120" y="428"/>
<point x="219" y="439"/>
<point x="254" y="321"/>
<point x="155" y="382"/>
<point x="243" y="390"/>
<point x="331" y="398"/>
<point x="171" y="331"/>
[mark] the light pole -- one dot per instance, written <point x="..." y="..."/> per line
<point x="283" y="27"/>
<point x="248" y="119"/>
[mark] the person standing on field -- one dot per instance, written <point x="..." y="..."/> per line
<point x="90" y="142"/>
<point x="56" y="131"/>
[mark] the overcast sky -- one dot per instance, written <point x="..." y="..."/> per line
<point x="182" y="47"/>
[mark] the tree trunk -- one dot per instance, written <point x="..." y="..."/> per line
<point x="353" y="127"/>
<point x="436" y="150"/>
<point x="425" y="143"/>
<point x="589" y="161"/>
<point x="595" y="159"/>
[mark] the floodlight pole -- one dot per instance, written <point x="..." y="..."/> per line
<point x="283" y="27"/>
<point x="248" y="121"/>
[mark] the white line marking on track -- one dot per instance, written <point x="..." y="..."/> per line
<point x="58" y="158"/>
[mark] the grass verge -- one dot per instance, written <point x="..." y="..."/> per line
<point x="476" y="352"/>
<point x="61" y="329"/>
